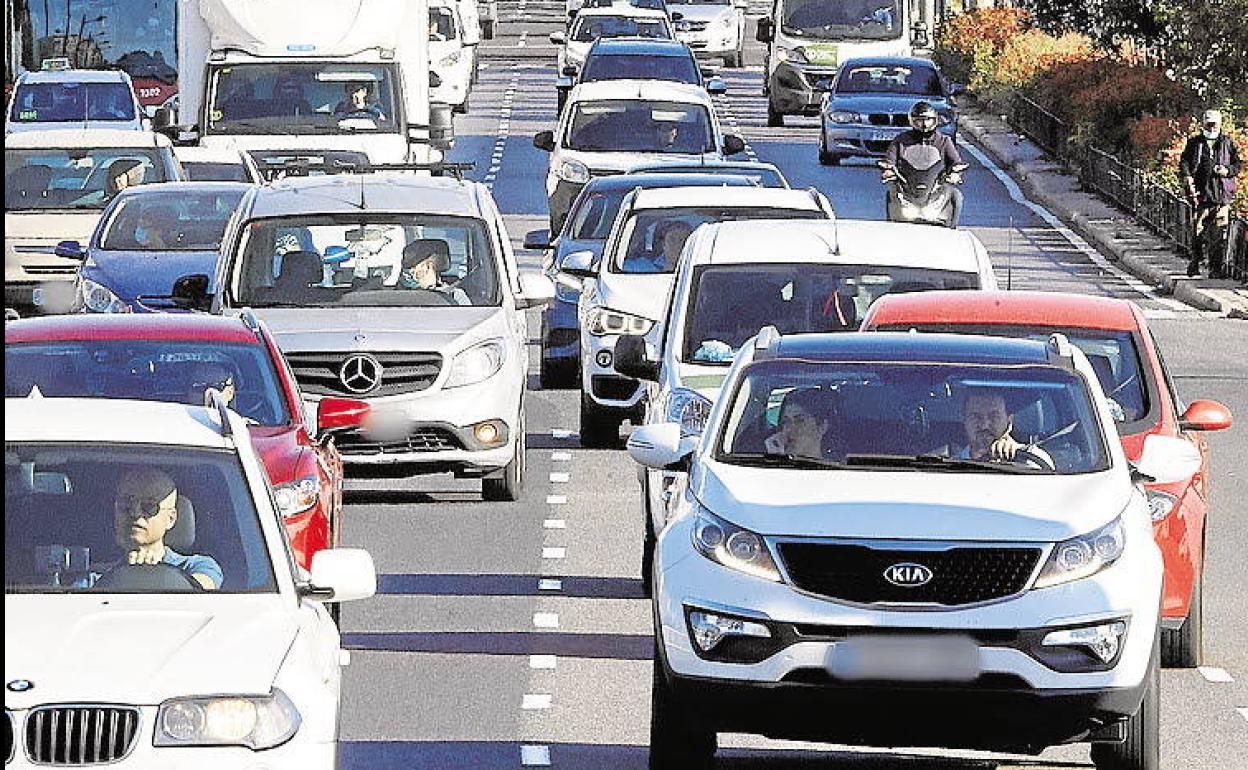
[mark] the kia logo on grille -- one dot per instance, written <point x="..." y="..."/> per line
<point x="360" y="373"/>
<point x="908" y="575"/>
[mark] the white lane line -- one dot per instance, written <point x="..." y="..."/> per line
<point x="560" y="478"/>
<point x="555" y="524"/>
<point x="554" y="552"/>
<point x="1243" y="713"/>
<point x="543" y="662"/>
<point x="503" y="131"/>
<point x="562" y="433"/>
<point x="1016" y="193"/>
<point x="556" y="499"/>
<point x="545" y="620"/>
<point x="1216" y="675"/>
<point x="549" y="584"/>
<point x="536" y="701"/>
<point x="535" y="756"/>
<point x="561" y="457"/>
<point x="524" y="39"/>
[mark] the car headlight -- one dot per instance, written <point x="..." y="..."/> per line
<point x="297" y="496"/>
<point x="255" y="721"/>
<point x="731" y="546"/>
<point x="795" y="55"/>
<point x="1160" y="503"/>
<point x="1083" y="556"/>
<point x="573" y="171"/>
<point x="844" y="116"/>
<point x="450" y="59"/>
<point x="98" y="298"/>
<point x="604" y="321"/>
<point x="477" y="363"/>
<point x="688" y="408"/>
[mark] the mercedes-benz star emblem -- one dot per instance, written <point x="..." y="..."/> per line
<point x="360" y="373"/>
<point x="20" y="685"/>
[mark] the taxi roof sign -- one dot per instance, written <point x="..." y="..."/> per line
<point x="55" y="64"/>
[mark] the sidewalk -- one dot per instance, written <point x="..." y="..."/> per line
<point x="1111" y="231"/>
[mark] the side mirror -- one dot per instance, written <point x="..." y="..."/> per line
<point x="182" y="136"/>
<point x="191" y="292"/>
<point x="544" y="140"/>
<point x="658" y="445"/>
<point x="716" y="87"/>
<point x="570" y="70"/>
<point x="441" y="126"/>
<point x="435" y="79"/>
<point x="765" y="31"/>
<point x="677" y="15"/>
<point x="70" y="250"/>
<point x="338" y="415"/>
<point x="558" y="38"/>
<point x="579" y="264"/>
<point x="631" y="359"/>
<point x="343" y="575"/>
<point x="1205" y="415"/>
<point x="537" y="239"/>
<point x="733" y="144"/>
<point x="162" y="118"/>
<point x="564" y="83"/>
<point x="535" y="290"/>
<point x="1167" y="460"/>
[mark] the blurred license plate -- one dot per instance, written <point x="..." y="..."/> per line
<point x="906" y="659"/>
<point x="881" y="136"/>
<point x="386" y="425"/>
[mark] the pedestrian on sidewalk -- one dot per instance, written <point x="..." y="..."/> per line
<point x="1208" y="167"/>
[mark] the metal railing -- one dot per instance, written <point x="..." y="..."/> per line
<point x="1160" y="209"/>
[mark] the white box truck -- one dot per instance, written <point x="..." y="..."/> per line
<point x="322" y="81"/>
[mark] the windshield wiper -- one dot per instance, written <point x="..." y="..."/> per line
<point x="782" y="460"/>
<point x="936" y="462"/>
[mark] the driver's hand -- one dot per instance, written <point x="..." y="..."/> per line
<point x="1003" y="449"/>
<point x="955" y="178"/>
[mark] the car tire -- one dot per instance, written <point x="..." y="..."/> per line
<point x="599" y="428"/>
<point x="1142" y="748"/>
<point x="774" y="119"/>
<point x="826" y="158"/>
<point x="462" y="109"/>
<point x="1184" y="647"/>
<point x="674" y="743"/>
<point x="648" y="539"/>
<point x="487" y="30"/>
<point x="509" y="483"/>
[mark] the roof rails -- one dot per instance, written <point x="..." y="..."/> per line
<point x="766" y="342"/>
<point x="216" y="400"/>
<point x="300" y="167"/>
<point x="248" y="317"/>
<point x="1060" y="351"/>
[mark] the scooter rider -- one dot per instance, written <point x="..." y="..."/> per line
<point x="923" y="122"/>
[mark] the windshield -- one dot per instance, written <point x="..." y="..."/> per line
<point x="72" y="102"/>
<point x="594" y="214"/>
<point x="441" y="25"/>
<point x="369" y="260"/>
<point x="842" y="19"/>
<point x="638" y="126"/>
<point x="73" y="513"/>
<point x="677" y="69"/>
<point x="301" y="98"/>
<point x="590" y="28"/>
<point x="730" y="303"/>
<point x="162" y="221"/>
<point x="656" y="237"/>
<point x="926" y="415"/>
<point x="890" y="79"/>
<point x="211" y="171"/>
<point x="56" y="178"/>
<point x="1114" y="355"/>
<point x="173" y="371"/>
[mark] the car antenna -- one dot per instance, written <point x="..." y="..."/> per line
<point x="1009" y="257"/>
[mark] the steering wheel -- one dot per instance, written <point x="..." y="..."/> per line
<point x="1034" y="460"/>
<point x="148" y="577"/>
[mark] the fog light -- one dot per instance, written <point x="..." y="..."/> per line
<point x="604" y="358"/>
<point x="1160" y="504"/>
<point x="1104" y="641"/>
<point x="710" y="629"/>
<point x="487" y="433"/>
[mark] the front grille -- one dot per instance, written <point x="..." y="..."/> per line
<point x="50" y="269"/>
<point x="876" y="146"/>
<point x="612" y="388"/>
<point x="68" y="736"/>
<point x="888" y="119"/>
<point x="693" y="26"/>
<point x="420" y="440"/>
<point x="597" y="172"/>
<point x="319" y="373"/>
<point x="960" y="575"/>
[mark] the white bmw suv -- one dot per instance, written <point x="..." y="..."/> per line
<point x="938" y="528"/>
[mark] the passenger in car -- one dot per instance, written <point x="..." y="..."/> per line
<point x="805" y="426"/>
<point x="145" y="510"/>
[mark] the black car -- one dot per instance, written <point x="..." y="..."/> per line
<point x="638" y="59"/>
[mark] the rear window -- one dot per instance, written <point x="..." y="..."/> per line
<point x="72" y="102"/>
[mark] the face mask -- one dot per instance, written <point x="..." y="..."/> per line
<point x="1211" y="133"/>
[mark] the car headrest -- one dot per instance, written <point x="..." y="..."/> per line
<point x="302" y="268"/>
<point x="181" y="537"/>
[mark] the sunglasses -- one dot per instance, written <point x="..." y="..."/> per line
<point x="222" y="384"/>
<point x="147" y="507"/>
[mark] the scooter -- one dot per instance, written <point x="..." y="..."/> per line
<point x="920" y="188"/>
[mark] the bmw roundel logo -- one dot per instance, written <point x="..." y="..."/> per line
<point x="908" y="575"/>
<point x="20" y="685"/>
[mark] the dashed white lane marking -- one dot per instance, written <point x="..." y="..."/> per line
<point x="504" y="130"/>
<point x="536" y="701"/>
<point x="535" y="756"/>
<point x="555" y="524"/>
<point x="1216" y="675"/>
<point x="545" y="620"/>
<point x="550" y="584"/>
<point x="554" y="552"/>
<point x="561" y="457"/>
<point x="560" y="478"/>
<point x="1243" y="713"/>
<point x="524" y="39"/>
<point x="543" y="662"/>
<point x="562" y="433"/>
<point x="1085" y="248"/>
<point x="730" y="116"/>
<point x="556" y="499"/>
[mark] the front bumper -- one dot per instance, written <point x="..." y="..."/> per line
<point x="606" y="387"/>
<point x="798" y="89"/>
<point x="712" y="41"/>
<point x="866" y="141"/>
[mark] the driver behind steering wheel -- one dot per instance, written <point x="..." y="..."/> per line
<point x="360" y="102"/>
<point x="145" y="509"/>
<point x="424" y="262"/>
<point x="988" y="425"/>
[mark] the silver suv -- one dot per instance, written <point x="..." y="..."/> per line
<point x="402" y="291"/>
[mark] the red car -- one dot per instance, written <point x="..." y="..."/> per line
<point x="1115" y="337"/>
<point x="176" y="357"/>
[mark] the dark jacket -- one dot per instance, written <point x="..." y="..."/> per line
<point x="1197" y="164"/>
<point x="947" y="147"/>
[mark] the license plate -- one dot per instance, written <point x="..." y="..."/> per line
<point x="905" y="659"/>
<point x="881" y="136"/>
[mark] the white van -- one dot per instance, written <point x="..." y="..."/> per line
<point x="450" y="57"/>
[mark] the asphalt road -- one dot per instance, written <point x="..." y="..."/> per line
<point x="468" y="659"/>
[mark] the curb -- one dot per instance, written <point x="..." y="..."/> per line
<point x="1132" y="259"/>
